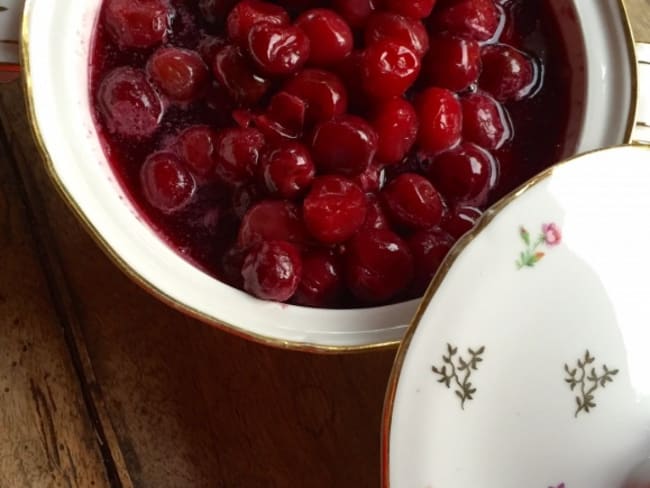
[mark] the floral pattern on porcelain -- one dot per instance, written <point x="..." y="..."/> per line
<point x="550" y="236"/>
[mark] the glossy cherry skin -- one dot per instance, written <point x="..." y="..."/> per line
<point x="180" y="74"/>
<point x="233" y="71"/>
<point x="278" y="50"/>
<point x="128" y="104"/>
<point x="412" y="201"/>
<point x="470" y="19"/>
<point x="287" y="170"/>
<point x="321" y="284"/>
<point x="429" y="248"/>
<point x="465" y="174"/>
<point x="355" y="12"/>
<point x="329" y="35"/>
<point x="284" y="119"/>
<point x="272" y="271"/>
<point x="396" y="123"/>
<point x="197" y="148"/>
<point x="403" y="30"/>
<point x="378" y="265"/>
<point x="345" y="145"/>
<point x="237" y="154"/>
<point x="139" y="24"/>
<point x="389" y="69"/>
<point x="441" y="120"/>
<point x="371" y="180"/>
<point x="485" y="121"/>
<point x="166" y="183"/>
<point x="375" y="217"/>
<point x="334" y="209"/>
<point x="271" y="220"/>
<point x="452" y="63"/>
<point x="508" y="74"/>
<point x="323" y="92"/>
<point x="248" y="13"/>
<point x="415" y="9"/>
<point x="460" y="219"/>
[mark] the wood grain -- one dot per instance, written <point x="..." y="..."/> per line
<point x="639" y="11"/>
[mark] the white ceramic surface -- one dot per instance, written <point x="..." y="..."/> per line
<point x="56" y="52"/>
<point x="551" y="293"/>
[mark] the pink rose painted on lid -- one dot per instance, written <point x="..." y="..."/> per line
<point x="552" y="234"/>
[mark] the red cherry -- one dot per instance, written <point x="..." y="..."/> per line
<point x="355" y="12"/>
<point x="334" y="209"/>
<point x="389" y="69"/>
<point x="508" y="74"/>
<point x="485" y="121"/>
<point x="244" y="197"/>
<point x="429" y="248"/>
<point x="166" y="183"/>
<point x="271" y="220"/>
<point x="321" y="284"/>
<point x="129" y="105"/>
<point x="278" y="49"/>
<point x="402" y="30"/>
<point x="412" y="201"/>
<point x="284" y="120"/>
<point x="329" y="35"/>
<point x="248" y="13"/>
<point x="375" y="217"/>
<point x="460" y="220"/>
<point x="287" y="170"/>
<point x="441" y="120"/>
<point x="465" y="174"/>
<point x="378" y="265"/>
<point x="197" y="147"/>
<point x="371" y="180"/>
<point x="452" y="63"/>
<point x="237" y="154"/>
<point x="209" y="46"/>
<point x="180" y="74"/>
<point x="416" y="9"/>
<point x="396" y="124"/>
<point x="323" y="93"/>
<point x="215" y="11"/>
<point x="272" y="271"/>
<point x="344" y="145"/>
<point x="233" y="71"/>
<point x="472" y="19"/>
<point x="140" y="24"/>
<point x="350" y="71"/>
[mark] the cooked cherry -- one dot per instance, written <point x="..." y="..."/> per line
<point x="344" y="145"/>
<point x="237" y="155"/>
<point x="272" y="271"/>
<point x="378" y="265"/>
<point x="129" y="105"/>
<point x="284" y="119"/>
<point x="350" y="71"/>
<point x="412" y="201"/>
<point x="441" y="120"/>
<point x="429" y="248"/>
<point x="402" y="30"/>
<point x="271" y="220"/>
<point x="485" y="121"/>
<point x="355" y="12"/>
<point x="233" y="71"/>
<point x="416" y="9"/>
<point x="180" y="74"/>
<point x="334" y="209"/>
<point x="473" y="19"/>
<point x="508" y="74"/>
<point x="375" y="216"/>
<point x="321" y="284"/>
<point x="323" y="93"/>
<point x="140" y="24"/>
<point x="460" y="219"/>
<point x="209" y="46"/>
<point x="278" y="49"/>
<point x="215" y="11"/>
<point x="244" y="197"/>
<point x="197" y="148"/>
<point x="329" y="35"/>
<point x="389" y="69"/>
<point x="287" y="170"/>
<point x="396" y="124"/>
<point x="166" y="183"/>
<point x="452" y="63"/>
<point x="371" y="180"/>
<point x="465" y="174"/>
<point x="248" y="13"/>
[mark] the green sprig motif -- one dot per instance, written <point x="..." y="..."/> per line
<point x="586" y="380"/>
<point x="457" y="371"/>
<point x="530" y="256"/>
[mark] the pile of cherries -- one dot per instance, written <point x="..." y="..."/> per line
<point x="359" y="138"/>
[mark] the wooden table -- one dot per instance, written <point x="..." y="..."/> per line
<point x="101" y="385"/>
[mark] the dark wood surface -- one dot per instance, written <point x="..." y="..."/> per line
<point x="102" y="385"/>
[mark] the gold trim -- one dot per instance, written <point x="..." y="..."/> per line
<point x="438" y="280"/>
<point x="150" y="287"/>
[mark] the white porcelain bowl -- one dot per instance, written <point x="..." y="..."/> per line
<point x="55" y="55"/>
